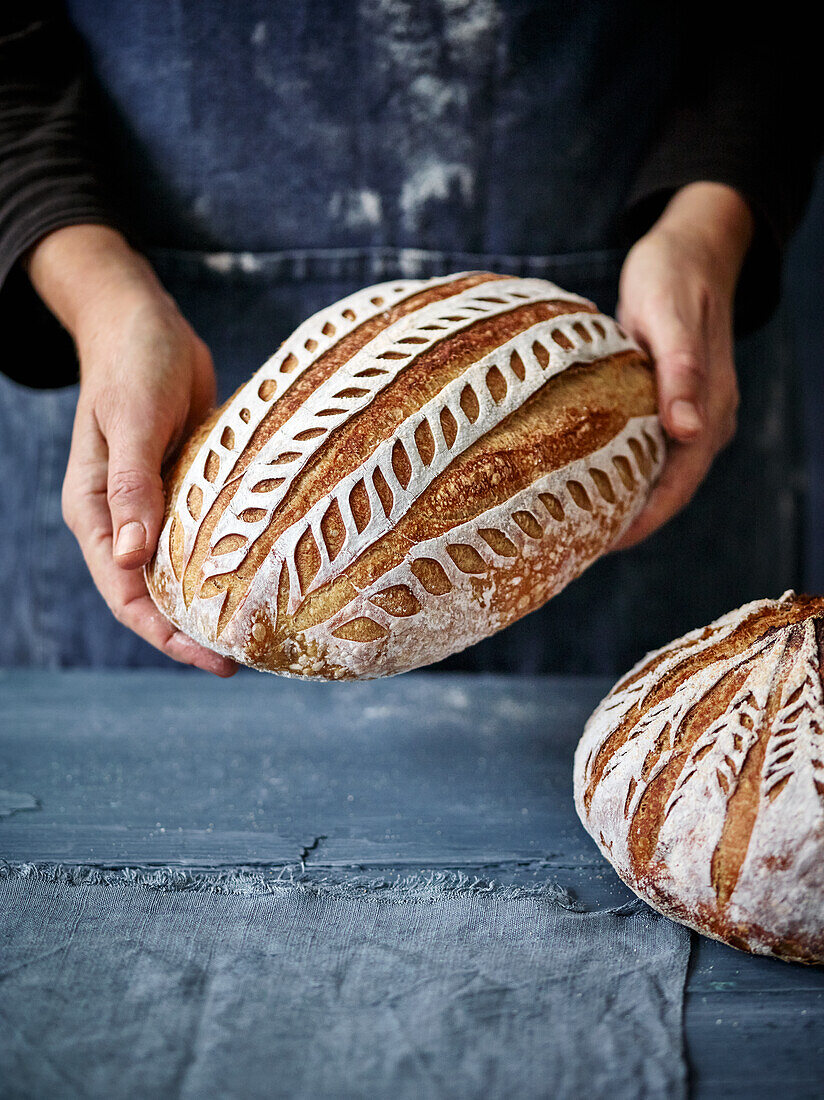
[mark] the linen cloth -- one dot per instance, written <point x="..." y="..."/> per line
<point x="341" y="933"/>
<point x="417" y="989"/>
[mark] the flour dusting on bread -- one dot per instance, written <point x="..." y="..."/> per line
<point x="701" y="778"/>
<point x="419" y="465"/>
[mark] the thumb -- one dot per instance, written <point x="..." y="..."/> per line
<point x="135" y="488"/>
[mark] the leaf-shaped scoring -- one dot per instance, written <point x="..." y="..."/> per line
<point x="797" y="742"/>
<point x="662" y="727"/>
<point x="729" y="738"/>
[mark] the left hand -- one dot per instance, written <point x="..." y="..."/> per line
<point x="676" y="298"/>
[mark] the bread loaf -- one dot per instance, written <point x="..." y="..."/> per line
<point x="701" y="778"/>
<point x="419" y="465"/>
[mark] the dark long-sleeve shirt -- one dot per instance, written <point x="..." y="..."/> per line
<point x="737" y="115"/>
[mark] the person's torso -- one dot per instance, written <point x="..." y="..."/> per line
<point x="274" y="157"/>
<point x="481" y="126"/>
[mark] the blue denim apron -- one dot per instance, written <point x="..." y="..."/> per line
<point x="275" y="157"/>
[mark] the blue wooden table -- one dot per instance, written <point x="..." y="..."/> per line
<point x="148" y="769"/>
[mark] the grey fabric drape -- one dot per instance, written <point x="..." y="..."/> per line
<point x="421" y="989"/>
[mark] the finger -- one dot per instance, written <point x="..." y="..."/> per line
<point x="686" y="467"/>
<point x="725" y="396"/>
<point x="678" y="346"/>
<point x="138" y="612"/>
<point x="87" y="512"/>
<point x="203" y="397"/>
<point x="136" y="445"/>
<point x="128" y="598"/>
<point x="204" y="386"/>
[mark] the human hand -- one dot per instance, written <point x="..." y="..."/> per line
<point x="145" y="380"/>
<point x="676" y="298"/>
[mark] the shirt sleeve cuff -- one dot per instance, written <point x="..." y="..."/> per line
<point x="50" y="361"/>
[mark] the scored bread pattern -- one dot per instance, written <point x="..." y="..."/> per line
<point x="268" y="478"/>
<point x="404" y="618"/>
<point x="233" y="431"/>
<point x="797" y="742"/>
<point x="284" y="540"/>
<point x="425" y="444"/>
<point x="701" y="777"/>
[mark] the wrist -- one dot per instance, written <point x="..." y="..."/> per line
<point x="715" y="217"/>
<point x="83" y="272"/>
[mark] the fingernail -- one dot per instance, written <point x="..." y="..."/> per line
<point x="685" y="416"/>
<point x="130" y="538"/>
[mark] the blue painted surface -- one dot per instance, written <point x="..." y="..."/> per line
<point x="405" y="775"/>
<point x="138" y="768"/>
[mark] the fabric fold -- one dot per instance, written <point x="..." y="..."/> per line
<point x="327" y="985"/>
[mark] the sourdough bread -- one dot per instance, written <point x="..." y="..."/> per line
<point x="701" y="778"/>
<point x="419" y="465"/>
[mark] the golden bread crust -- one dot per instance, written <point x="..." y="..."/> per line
<point x="418" y="466"/>
<point x="701" y="778"/>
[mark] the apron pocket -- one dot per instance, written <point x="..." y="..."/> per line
<point x="244" y="304"/>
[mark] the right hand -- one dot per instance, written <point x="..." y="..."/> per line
<point x="676" y="298"/>
<point x="146" y="379"/>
